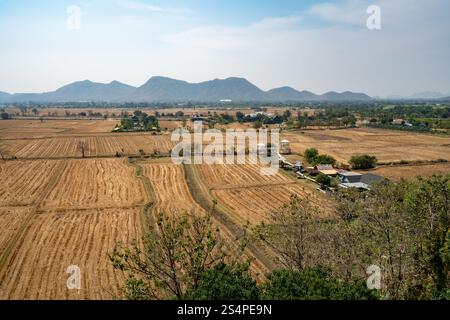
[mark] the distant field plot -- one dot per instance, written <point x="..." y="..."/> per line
<point x="250" y="196"/>
<point x="386" y="145"/>
<point x="170" y="125"/>
<point x="410" y="172"/>
<point x="55" y="240"/>
<point x="35" y="128"/>
<point x="217" y="176"/>
<point x="171" y="190"/>
<point x="24" y="181"/>
<point x="94" y="146"/>
<point x="254" y="205"/>
<point x="96" y="183"/>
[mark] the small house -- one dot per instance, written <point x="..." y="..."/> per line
<point x="358" y="181"/>
<point x="327" y="170"/>
<point x="349" y="177"/>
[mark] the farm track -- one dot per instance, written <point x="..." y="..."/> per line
<point x="202" y="196"/>
<point x="147" y="218"/>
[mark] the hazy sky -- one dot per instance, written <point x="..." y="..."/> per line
<point x="309" y="45"/>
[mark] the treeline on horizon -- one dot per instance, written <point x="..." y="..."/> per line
<point x="350" y="105"/>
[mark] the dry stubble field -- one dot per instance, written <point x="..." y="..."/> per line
<point x="410" y="172"/>
<point x="25" y="139"/>
<point x="172" y="195"/>
<point x="57" y="213"/>
<point x="250" y="197"/>
<point x="386" y="145"/>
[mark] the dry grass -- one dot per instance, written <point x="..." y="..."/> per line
<point x="396" y="173"/>
<point x="95" y="183"/>
<point x="255" y="205"/>
<point x="229" y="176"/>
<point x="11" y="219"/>
<point x="16" y="129"/>
<point x="171" y="190"/>
<point x="95" y="146"/>
<point x="250" y="196"/>
<point x="24" y="181"/>
<point x="55" y="240"/>
<point x="56" y="213"/>
<point x="384" y="144"/>
<point x="170" y="125"/>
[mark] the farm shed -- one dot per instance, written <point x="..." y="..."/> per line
<point x="359" y="181"/>
<point x="324" y="169"/>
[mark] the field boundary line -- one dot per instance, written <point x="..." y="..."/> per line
<point x="44" y="210"/>
<point x="251" y="186"/>
<point x="203" y="197"/>
<point x="147" y="218"/>
<point x="105" y="156"/>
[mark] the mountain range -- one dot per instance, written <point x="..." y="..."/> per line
<point x="162" y="89"/>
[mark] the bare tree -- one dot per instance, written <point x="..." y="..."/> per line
<point x="82" y="147"/>
<point x="172" y="256"/>
<point x="292" y="233"/>
<point x="2" y="154"/>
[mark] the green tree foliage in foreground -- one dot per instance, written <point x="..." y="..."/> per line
<point x="224" y="282"/>
<point x="172" y="257"/>
<point x="363" y="161"/>
<point x="404" y="228"/>
<point x="313" y="284"/>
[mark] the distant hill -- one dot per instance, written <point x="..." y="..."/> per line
<point x="5" y="97"/>
<point x="162" y="89"/>
<point x="344" y="96"/>
<point x="89" y="91"/>
<point x="290" y="94"/>
<point x="166" y="89"/>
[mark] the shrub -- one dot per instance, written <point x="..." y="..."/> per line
<point x="311" y="154"/>
<point x="224" y="283"/>
<point x="313" y="284"/>
<point x="323" y="179"/>
<point x="324" y="159"/>
<point x="363" y="161"/>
